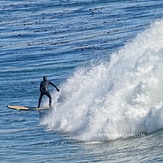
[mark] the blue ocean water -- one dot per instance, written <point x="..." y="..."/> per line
<point x="105" y="57"/>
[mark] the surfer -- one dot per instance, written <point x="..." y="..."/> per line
<point x="44" y="90"/>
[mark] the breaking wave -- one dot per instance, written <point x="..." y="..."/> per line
<point x="119" y="98"/>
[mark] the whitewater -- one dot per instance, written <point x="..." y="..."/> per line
<point x="114" y="99"/>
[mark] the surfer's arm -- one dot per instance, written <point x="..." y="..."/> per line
<point x="54" y="86"/>
<point x="40" y="87"/>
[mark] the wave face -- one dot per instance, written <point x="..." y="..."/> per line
<point x="114" y="99"/>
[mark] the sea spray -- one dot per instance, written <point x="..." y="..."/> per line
<point x="116" y="98"/>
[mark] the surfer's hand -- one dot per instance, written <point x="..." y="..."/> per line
<point x="58" y="90"/>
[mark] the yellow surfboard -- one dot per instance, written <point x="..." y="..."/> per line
<point x="27" y="108"/>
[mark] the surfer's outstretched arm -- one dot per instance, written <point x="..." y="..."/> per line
<point x="54" y="86"/>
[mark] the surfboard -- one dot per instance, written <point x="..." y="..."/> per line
<point x="27" y="108"/>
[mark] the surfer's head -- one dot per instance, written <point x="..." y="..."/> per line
<point x="44" y="78"/>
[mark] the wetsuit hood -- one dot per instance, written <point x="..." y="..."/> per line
<point x="44" y="78"/>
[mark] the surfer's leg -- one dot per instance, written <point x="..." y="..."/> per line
<point x="50" y="98"/>
<point x="40" y="100"/>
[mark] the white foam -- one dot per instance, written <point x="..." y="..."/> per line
<point x="116" y="99"/>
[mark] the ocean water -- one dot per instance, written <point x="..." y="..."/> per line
<point x="106" y="58"/>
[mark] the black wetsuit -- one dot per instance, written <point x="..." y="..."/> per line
<point x="44" y="90"/>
